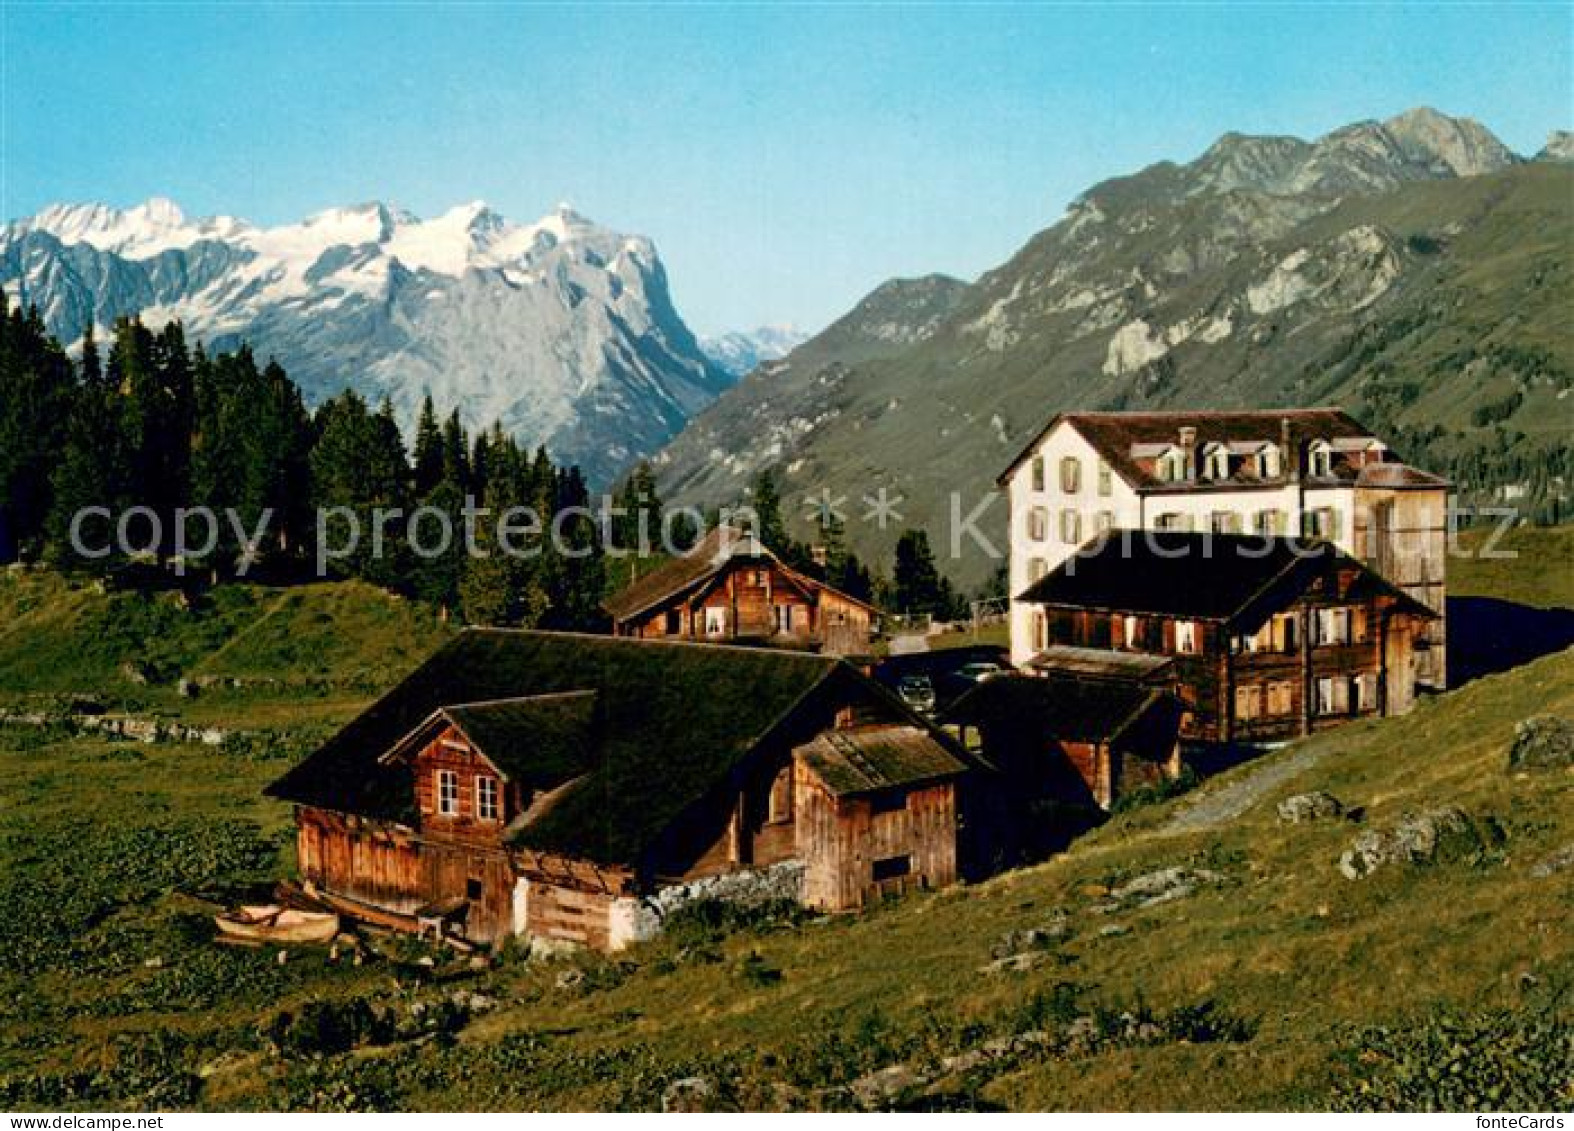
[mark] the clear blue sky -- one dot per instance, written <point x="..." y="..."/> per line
<point x="785" y="160"/>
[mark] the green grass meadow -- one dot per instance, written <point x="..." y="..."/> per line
<point x="1279" y="984"/>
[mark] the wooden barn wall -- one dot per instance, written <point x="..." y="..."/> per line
<point x="374" y="864"/>
<point x="839" y="841"/>
<point x="1383" y="645"/>
<point x="567" y="914"/>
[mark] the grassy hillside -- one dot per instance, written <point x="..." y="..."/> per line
<point x="1540" y="572"/>
<point x="1275" y="982"/>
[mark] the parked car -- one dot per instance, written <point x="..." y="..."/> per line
<point x="918" y="692"/>
<point x="980" y="670"/>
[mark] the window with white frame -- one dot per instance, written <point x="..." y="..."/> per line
<point x="1333" y="695"/>
<point x="1322" y="522"/>
<point x="486" y="803"/>
<point x="783" y="618"/>
<point x="1333" y="626"/>
<point x="715" y="620"/>
<point x="1106" y="479"/>
<point x="1070" y="474"/>
<point x="1216" y="462"/>
<point x="1186" y="636"/>
<point x="1103" y="522"/>
<point x="1071" y="526"/>
<point x="1171" y="467"/>
<point x="1037" y="568"/>
<point x="1038" y="523"/>
<point x="1267" y="461"/>
<point x="1320" y="459"/>
<point x="1169" y="520"/>
<point x="447" y="793"/>
<point x="1224" y="522"/>
<point x="1268" y="522"/>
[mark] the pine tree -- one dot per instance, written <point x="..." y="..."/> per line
<point x="456" y="454"/>
<point x="428" y="450"/>
<point x="917" y="585"/>
<point x="766" y="500"/>
<point x="36" y="390"/>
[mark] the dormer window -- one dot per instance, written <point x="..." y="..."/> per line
<point x="1216" y="462"/>
<point x="1320" y="459"/>
<point x="1171" y="466"/>
<point x="1267" y="461"/>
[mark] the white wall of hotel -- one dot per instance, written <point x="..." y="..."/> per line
<point x="1041" y="541"/>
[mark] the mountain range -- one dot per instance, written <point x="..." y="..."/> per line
<point x="561" y="330"/>
<point x="1414" y="270"/>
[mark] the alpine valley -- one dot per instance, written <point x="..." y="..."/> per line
<point x="561" y="330"/>
<point x="1414" y="271"/>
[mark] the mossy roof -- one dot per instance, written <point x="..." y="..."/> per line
<point x="672" y="720"/>
<point x="541" y="740"/>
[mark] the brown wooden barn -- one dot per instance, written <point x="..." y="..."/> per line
<point x="731" y="588"/>
<point x="546" y="784"/>
<point x="1267" y="638"/>
<point x="1079" y="740"/>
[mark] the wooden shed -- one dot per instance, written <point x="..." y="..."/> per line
<point x="1081" y="740"/>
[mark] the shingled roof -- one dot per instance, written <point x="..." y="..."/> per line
<point x="1069" y="709"/>
<point x="671" y="721"/>
<point x="1204" y="576"/>
<point x="1114" y="435"/>
<point x="869" y="759"/>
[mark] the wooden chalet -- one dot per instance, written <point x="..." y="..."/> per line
<point x="1079" y="740"/>
<point x="732" y="589"/>
<point x="542" y="784"/>
<point x="1263" y="637"/>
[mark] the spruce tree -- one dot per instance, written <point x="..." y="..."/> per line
<point x="428" y="450"/>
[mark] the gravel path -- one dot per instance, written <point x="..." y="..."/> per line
<point x="1251" y="785"/>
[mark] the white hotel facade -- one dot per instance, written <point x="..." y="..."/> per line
<point x="1315" y="472"/>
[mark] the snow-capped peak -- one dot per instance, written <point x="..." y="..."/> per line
<point x="139" y="232"/>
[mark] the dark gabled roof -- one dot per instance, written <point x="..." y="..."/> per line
<point x="869" y="759"/>
<point x="543" y="740"/>
<point x="1068" y="709"/>
<point x="672" y="720"/>
<point x="1099" y="663"/>
<point x="1238" y="578"/>
<point x="711" y="556"/>
<point x="1112" y="434"/>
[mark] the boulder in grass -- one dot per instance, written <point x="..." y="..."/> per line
<point x="1438" y="834"/>
<point x="1314" y="806"/>
<point x="1543" y="742"/>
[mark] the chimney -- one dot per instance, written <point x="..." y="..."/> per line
<point x="1288" y="452"/>
<point x="1188" y="446"/>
